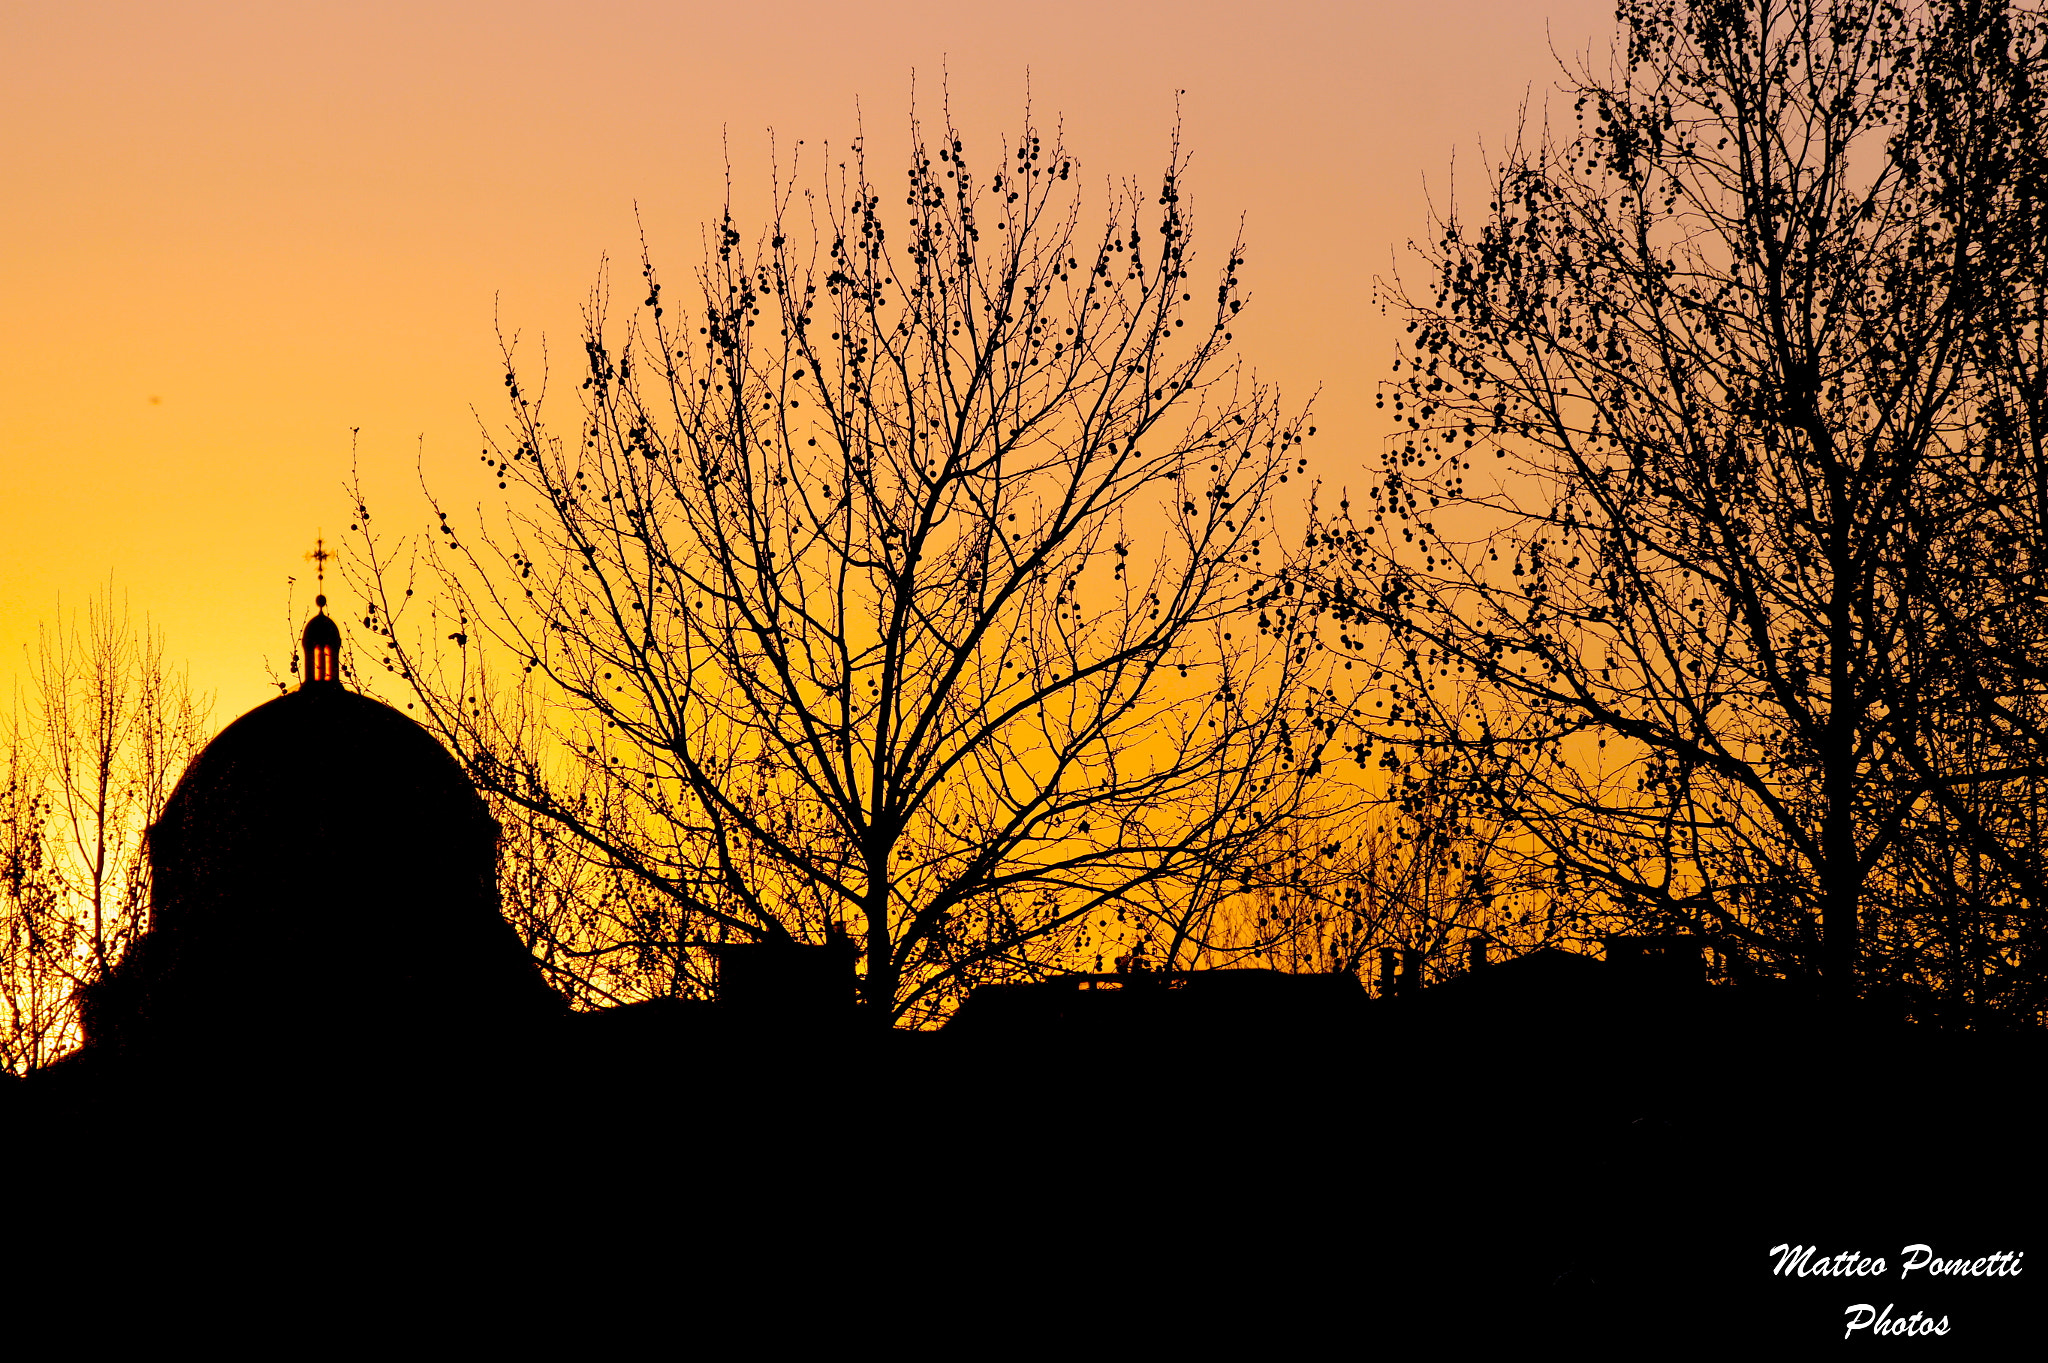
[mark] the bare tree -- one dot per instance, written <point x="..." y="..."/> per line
<point x="36" y="979"/>
<point x="600" y="932"/>
<point x="901" y="585"/>
<point x="1963" y="907"/>
<point x="1295" y="901"/>
<point x="1445" y="879"/>
<point x="1695" y="429"/>
<point x="91" y="754"/>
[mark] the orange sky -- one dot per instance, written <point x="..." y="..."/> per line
<point x="231" y="232"/>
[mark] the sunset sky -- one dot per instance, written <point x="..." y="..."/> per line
<point x="233" y="232"/>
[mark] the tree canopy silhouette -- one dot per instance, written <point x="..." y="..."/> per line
<point x="1719" y="489"/>
<point x="893" y="586"/>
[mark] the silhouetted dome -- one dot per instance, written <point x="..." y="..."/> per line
<point x="323" y="875"/>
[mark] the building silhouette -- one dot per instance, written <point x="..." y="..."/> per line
<point x="323" y="889"/>
<point x="329" y="1014"/>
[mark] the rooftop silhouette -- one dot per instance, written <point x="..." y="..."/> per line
<point x="327" y="962"/>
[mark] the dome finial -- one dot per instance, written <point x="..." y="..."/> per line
<point x="323" y="639"/>
<point x="319" y="558"/>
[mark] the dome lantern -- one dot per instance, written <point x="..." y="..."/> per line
<point x="323" y="649"/>
<point x="322" y="639"/>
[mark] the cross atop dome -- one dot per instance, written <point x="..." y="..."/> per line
<point x="318" y="558"/>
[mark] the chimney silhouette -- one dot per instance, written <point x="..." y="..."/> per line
<point x="1411" y="972"/>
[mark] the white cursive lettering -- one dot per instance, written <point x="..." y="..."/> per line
<point x="1797" y="1261"/>
<point x="2004" y="1264"/>
<point x="1864" y="1316"/>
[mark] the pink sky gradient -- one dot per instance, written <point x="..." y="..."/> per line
<point x="233" y="232"/>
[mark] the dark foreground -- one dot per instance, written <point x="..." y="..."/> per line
<point x="1547" y="1154"/>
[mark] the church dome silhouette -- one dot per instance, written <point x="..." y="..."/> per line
<point x="323" y="877"/>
